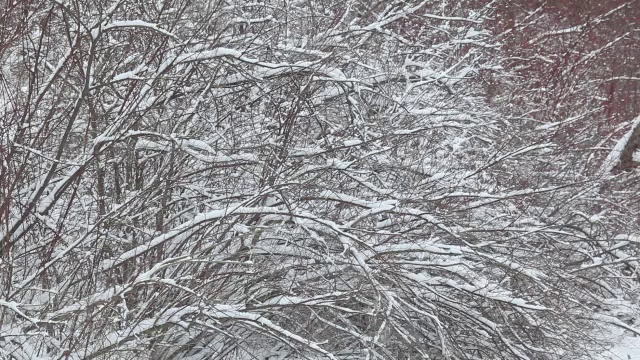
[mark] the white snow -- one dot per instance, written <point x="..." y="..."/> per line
<point x="627" y="349"/>
<point x="614" y="156"/>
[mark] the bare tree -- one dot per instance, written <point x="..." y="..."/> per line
<point x="289" y="179"/>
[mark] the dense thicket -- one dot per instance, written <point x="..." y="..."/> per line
<point x="312" y="179"/>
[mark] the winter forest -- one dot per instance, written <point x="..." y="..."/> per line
<point x="319" y="179"/>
